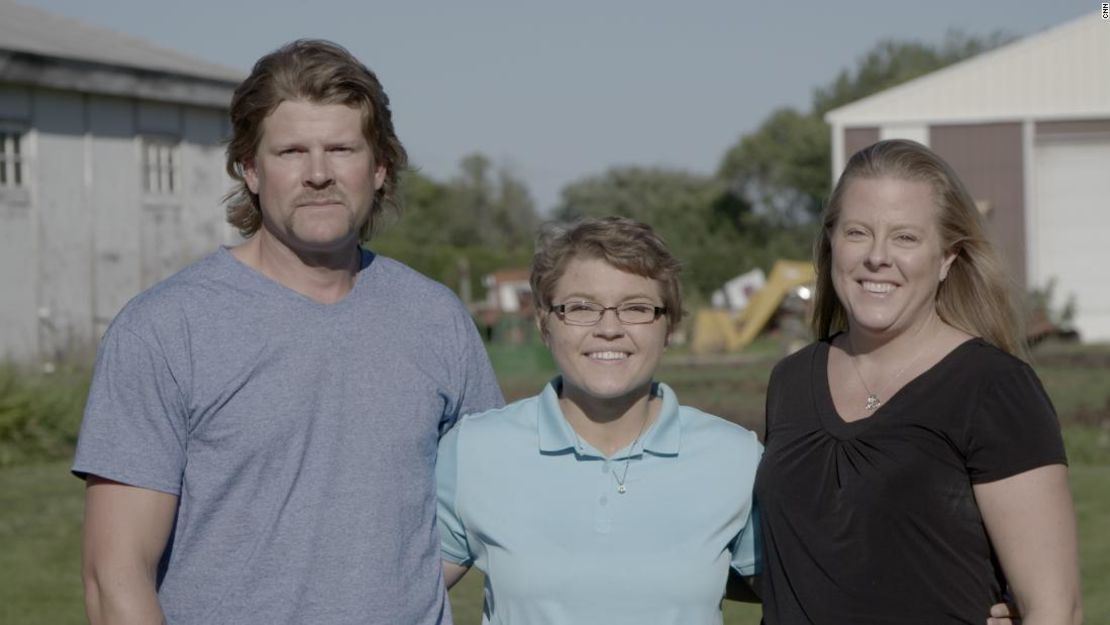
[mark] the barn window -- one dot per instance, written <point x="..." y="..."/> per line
<point x="161" y="165"/>
<point x="13" y="171"/>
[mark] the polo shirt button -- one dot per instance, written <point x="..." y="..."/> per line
<point x="605" y="467"/>
<point x="604" y="500"/>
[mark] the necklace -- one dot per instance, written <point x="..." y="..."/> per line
<point x="628" y="459"/>
<point x="873" y="401"/>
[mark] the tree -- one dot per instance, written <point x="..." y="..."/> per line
<point x="890" y="63"/>
<point x="783" y="168"/>
<point x="479" y="221"/>
<point x="487" y="207"/>
<point x="713" y="231"/>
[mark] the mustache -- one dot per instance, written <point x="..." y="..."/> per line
<point x="331" y="197"/>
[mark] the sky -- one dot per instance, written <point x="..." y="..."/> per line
<point x="560" y="90"/>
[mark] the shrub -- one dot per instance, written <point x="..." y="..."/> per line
<point x="39" y="413"/>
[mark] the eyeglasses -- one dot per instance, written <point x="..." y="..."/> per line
<point x="589" y="313"/>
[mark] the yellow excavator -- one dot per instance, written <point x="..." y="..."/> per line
<point x="717" y="330"/>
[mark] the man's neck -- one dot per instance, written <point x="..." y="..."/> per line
<point x="326" y="277"/>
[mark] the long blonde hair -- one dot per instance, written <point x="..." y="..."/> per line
<point x="977" y="296"/>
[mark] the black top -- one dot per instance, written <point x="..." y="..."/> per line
<point x="875" y="521"/>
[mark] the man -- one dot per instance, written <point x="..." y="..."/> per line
<point x="260" y="436"/>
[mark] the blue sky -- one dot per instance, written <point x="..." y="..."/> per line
<point x="564" y="89"/>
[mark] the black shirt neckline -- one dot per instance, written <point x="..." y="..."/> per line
<point x="831" y="420"/>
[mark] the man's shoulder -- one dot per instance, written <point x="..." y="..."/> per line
<point x="409" y="284"/>
<point x="191" y="285"/>
<point x="405" y="277"/>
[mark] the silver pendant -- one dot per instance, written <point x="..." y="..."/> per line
<point x="873" y="402"/>
<point x="620" y="488"/>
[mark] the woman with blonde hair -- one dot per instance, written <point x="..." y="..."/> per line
<point x="914" y="465"/>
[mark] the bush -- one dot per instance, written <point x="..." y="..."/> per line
<point x="39" y="413"/>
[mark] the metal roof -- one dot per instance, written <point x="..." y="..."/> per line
<point x="1061" y="73"/>
<point x="34" y="31"/>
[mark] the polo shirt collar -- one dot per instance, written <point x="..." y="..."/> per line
<point x="663" y="438"/>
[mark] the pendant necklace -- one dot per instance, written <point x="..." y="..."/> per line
<point x="628" y="459"/>
<point x="873" y="401"/>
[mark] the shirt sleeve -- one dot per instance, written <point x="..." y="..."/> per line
<point x="479" y="389"/>
<point x="454" y="546"/>
<point x="1014" y="427"/>
<point x="135" y="423"/>
<point x="747" y="549"/>
<point x="770" y="400"/>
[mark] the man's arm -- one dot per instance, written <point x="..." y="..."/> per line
<point x="126" y="529"/>
<point x="1031" y="522"/>
<point x="452" y="573"/>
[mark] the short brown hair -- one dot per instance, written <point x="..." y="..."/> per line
<point x="624" y="243"/>
<point x="321" y="72"/>
<point x="976" y="296"/>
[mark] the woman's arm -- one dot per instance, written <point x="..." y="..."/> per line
<point x="1031" y="522"/>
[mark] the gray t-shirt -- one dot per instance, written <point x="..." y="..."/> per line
<point x="299" y="437"/>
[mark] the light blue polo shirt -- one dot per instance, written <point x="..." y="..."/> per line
<point x="536" y="508"/>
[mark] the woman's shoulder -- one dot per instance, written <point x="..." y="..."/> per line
<point x="699" y="426"/>
<point x="801" y="361"/>
<point x="507" y="416"/>
<point x="987" y="363"/>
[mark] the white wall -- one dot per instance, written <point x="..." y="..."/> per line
<point x="89" y="238"/>
<point x="63" y="260"/>
<point x="18" y="321"/>
<point x="1072" y="201"/>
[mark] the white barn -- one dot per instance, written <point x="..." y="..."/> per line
<point x="1027" y="126"/>
<point x="111" y="175"/>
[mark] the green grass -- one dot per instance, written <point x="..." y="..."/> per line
<point x="40" y="517"/>
<point x="40" y="528"/>
<point x="41" y="504"/>
<point x="1091" y="488"/>
<point x="39" y="414"/>
<point x="466" y="604"/>
<point x="522" y="370"/>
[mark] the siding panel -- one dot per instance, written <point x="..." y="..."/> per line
<point x="855" y="139"/>
<point x="64" y="251"/>
<point x="988" y="158"/>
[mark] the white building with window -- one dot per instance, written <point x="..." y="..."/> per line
<point x="111" y="175"/>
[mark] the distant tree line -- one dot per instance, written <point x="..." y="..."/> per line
<point x="482" y="220"/>
<point x="760" y="204"/>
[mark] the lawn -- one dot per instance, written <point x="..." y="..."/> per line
<point x="40" y="518"/>
<point x="40" y="504"/>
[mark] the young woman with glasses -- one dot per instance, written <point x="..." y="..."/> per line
<point x="600" y="500"/>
